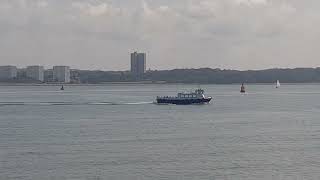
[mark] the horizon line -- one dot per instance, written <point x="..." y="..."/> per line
<point x="181" y="68"/>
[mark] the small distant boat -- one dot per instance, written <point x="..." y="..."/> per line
<point x="242" y="88"/>
<point x="278" y="84"/>
<point x="62" y="88"/>
<point x="196" y="97"/>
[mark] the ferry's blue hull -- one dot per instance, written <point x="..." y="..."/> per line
<point x="183" y="101"/>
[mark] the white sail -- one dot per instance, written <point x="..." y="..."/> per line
<point x="278" y="84"/>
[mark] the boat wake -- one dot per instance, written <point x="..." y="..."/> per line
<point x="119" y="103"/>
<point x="70" y="103"/>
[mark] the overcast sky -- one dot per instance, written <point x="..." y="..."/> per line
<point x="100" y="34"/>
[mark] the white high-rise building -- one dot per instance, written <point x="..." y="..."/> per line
<point x="61" y="74"/>
<point x="138" y="63"/>
<point x="8" y="72"/>
<point x="35" y="72"/>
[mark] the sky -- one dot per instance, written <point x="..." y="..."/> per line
<point x="101" y="34"/>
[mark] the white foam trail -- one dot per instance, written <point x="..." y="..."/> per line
<point x="100" y="103"/>
<point x="138" y="103"/>
<point x="69" y="103"/>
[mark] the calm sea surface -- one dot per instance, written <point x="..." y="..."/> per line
<point x="116" y="132"/>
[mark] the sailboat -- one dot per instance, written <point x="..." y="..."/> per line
<point x="278" y="84"/>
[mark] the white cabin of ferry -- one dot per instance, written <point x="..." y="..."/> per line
<point x="199" y="93"/>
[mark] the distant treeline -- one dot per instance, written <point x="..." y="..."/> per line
<point x="207" y="75"/>
<point x="202" y="75"/>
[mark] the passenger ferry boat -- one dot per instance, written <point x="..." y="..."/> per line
<point x="196" y="97"/>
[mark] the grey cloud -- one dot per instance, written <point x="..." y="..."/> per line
<point x="239" y="34"/>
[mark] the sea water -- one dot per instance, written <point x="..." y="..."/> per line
<point x="117" y="132"/>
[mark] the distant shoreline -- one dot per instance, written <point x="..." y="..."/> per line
<point x="180" y="76"/>
<point x="138" y="83"/>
